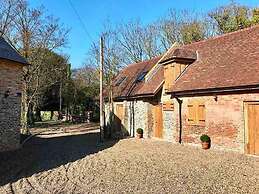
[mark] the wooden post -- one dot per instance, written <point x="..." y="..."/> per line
<point x="60" y="97"/>
<point x="101" y="91"/>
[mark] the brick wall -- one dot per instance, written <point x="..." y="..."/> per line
<point x="224" y="121"/>
<point x="10" y="104"/>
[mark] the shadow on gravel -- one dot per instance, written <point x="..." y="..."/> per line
<point x="42" y="154"/>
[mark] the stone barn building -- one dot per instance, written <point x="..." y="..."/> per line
<point x="11" y="65"/>
<point x="135" y="94"/>
<point x="218" y="92"/>
<point x="208" y="87"/>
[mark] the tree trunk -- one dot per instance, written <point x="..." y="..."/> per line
<point x="30" y="115"/>
<point x="51" y="115"/>
<point x="24" y="115"/>
<point x="37" y="115"/>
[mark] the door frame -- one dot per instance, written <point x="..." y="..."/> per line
<point x="123" y="112"/>
<point x="246" y="131"/>
<point x="123" y="109"/>
<point x="155" y="107"/>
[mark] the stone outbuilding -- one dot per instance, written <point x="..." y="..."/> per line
<point x="11" y="67"/>
<point x="136" y="93"/>
<point x="208" y="87"/>
<point x="218" y="91"/>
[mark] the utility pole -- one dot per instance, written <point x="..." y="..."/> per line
<point x="101" y="91"/>
<point x="60" y="101"/>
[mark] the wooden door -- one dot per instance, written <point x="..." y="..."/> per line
<point x="119" y="115"/>
<point x="158" y="120"/>
<point x="119" y="111"/>
<point x="253" y="128"/>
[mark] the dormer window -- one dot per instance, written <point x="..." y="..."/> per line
<point x="175" y="63"/>
<point x="142" y="76"/>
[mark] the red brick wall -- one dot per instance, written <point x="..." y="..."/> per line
<point x="224" y="121"/>
<point x="10" y="76"/>
<point x="10" y="105"/>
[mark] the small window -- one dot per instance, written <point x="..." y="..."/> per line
<point x="119" y="81"/>
<point x="191" y="113"/>
<point x="196" y="113"/>
<point x="141" y="76"/>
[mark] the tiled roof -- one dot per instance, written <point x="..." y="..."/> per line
<point x="152" y="85"/>
<point x="130" y="87"/>
<point x="179" y="53"/>
<point x="8" y="52"/>
<point x="227" y="61"/>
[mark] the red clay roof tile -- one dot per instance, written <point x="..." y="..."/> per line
<point x="130" y="87"/>
<point x="230" y="60"/>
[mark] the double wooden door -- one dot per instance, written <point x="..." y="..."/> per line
<point x="253" y="128"/>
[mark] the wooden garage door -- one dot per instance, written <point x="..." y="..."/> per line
<point x="253" y="128"/>
<point x="158" y="120"/>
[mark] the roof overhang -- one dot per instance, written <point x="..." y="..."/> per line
<point x="180" y="55"/>
<point x="16" y="62"/>
<point x="214" y="91"/>
<point x="138" y="96"/>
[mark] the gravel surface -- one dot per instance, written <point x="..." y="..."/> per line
<point x="76" y="164"/>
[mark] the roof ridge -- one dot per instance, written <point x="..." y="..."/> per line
<point x="212" y="70"/>
<point x="156" y="66"/>
<point x="141" y="62"/>
<point x="145" y="60"/>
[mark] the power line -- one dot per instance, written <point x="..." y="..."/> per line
<point x="80" y="20"/>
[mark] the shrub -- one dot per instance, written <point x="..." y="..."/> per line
<point x="140" y="131"/>
<point x="205" y="138"/>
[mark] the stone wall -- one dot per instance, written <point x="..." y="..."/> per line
<point x="141" y="117"/>
<point x="169" y="119"/>
<point x="10" y="104"/>
<point x="126" y="123"/>
<point x="137" y="114"/>
<point x="224" y="121"/>
<point x="169" y="125"/>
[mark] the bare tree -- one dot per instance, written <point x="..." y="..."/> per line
<point x="151" y="41"/>
<point x="169" y="28"/>
<point x="32" y="32"/>
<point x="183" y="27"/>
<point x="6" y="15"/>
<point x="130" y="37"/>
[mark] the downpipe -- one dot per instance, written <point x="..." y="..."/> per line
<point x="180" y="119"/>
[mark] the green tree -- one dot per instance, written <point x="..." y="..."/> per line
<point x="192" y="32"/>
<point x="233" y="17"/>
<point x="52" y="71"/>
<point x="80" y="91"/>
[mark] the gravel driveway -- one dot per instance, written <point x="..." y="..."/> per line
<point x="75" y="164"/>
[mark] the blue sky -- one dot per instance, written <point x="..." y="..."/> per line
<point x="95" y="12"/>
